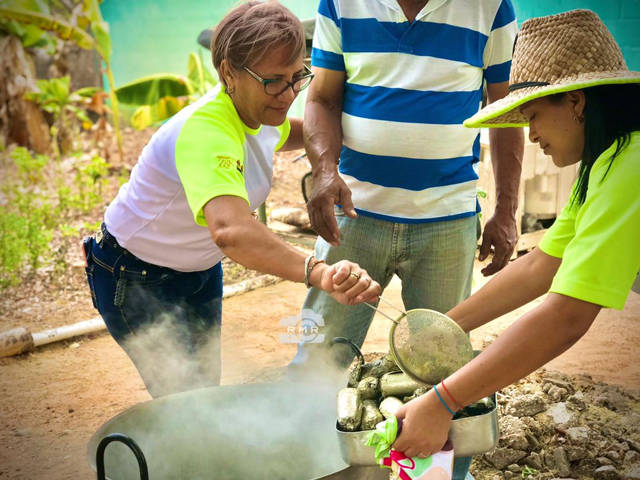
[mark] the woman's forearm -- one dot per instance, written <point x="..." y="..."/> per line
<point x="536" y="338"/>
<point x="250" y="243"/>
<point x="520" y="282"/>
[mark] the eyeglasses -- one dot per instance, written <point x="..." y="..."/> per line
<point x="277" y="86"/>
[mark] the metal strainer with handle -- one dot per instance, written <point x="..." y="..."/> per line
<point x="427" y="345"/>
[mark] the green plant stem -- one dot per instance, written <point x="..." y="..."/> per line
<point x="114" y="108"/>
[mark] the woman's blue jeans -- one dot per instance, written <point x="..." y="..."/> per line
<point x="168" y="322"/>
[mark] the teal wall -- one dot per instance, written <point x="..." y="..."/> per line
<point x="622" y="18"/>
<point x="154" y="36"/>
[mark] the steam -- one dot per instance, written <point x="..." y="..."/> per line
<point x="280" y="430"/>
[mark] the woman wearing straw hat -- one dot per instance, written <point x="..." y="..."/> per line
<point x="570" y="84"/>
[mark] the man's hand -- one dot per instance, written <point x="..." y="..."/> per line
<point x="328" y="190"/>
<point x="499" y="238"/>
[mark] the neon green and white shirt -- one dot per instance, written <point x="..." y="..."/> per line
<point x="599" y="241"/>
<point x="202" y="152"/>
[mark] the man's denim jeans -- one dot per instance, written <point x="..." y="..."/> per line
<point x="434" y="260"/>
<point x="167" y="321"/>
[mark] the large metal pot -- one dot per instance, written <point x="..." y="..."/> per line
<point x="270" y="431"/>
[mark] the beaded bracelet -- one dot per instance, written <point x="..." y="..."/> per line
<point x="455" y="402"/>
<point x="443" y="402"/>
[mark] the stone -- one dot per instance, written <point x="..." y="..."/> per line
<point x="577" y="400"/>
<point x="534" y="461"/>
<point x="607" y="472"/>
<point x="513" y="433"/>
<point x="560" y="414"/>
<point x="514" y="467"/>
<point x="579" y="435"/>
<point x="526" y="405"/>
<point x="613" y="456"/>
<point x="632" y="472"/>
<point x="557" y="394"/>
<point x="509" y="475"/>
<point x="631" y="456"/>
<point x="604" y="461"/>
<point x="576" y="453"/>
<point x="298" y="217"/>
<point x="557" y="460"/>
<point x="501" y="457"/>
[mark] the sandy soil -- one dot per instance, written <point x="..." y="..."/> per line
<point x="55" y="398"/>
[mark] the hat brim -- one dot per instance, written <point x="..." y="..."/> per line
<point x="503" y="113"/>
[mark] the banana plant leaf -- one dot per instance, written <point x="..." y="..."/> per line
<point x="200" y="77"/>
<point x="147" y="115"/>
<point x="149" y="90"/>
<point x="62" y="29"/>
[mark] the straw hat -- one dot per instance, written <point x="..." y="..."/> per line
<point x="558" y="53"/>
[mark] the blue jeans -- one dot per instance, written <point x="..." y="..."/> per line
<point x="168" y="322"/>
<point x="434" y="260"/>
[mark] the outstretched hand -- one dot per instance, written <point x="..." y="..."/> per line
<point x="349" y="284"/>
<point x="499" y="238"/>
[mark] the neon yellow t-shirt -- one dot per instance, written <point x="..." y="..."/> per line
<point x="599" y="241"/>
<point x="215" y="148"/>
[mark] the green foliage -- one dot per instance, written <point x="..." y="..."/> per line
<point x="54" y="96"/>
<point x="162" y="95"/>
<point x="38" y="206"/>
<point x="528" y="471"/>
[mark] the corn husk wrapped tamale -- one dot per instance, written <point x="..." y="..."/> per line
<point x="371" y="416"/>
<point x="397" y="384"/>
<point x="369" y="388"/>
<point x="389" y="406"/>
<point x="349" y="409"/>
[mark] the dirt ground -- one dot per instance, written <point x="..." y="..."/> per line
<point x="55" y="398"/>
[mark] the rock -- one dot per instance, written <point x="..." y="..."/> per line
<point x="298" y="217"/>
<point x="632" y="472"/>
<point x="534" y="460"/>
<point x="557" y="460"/>
<point x="557" y="394"/>
<point x="577" y="400"/>
<point x="559" y="382"/>
<point x="514" y="467"/>
<point x="631" y="456"/>
<point x="560" y="414"/>
<point x="509" y="475"/>
<point x="613" y="456"/>
<point x="604" y="461"/>
<point x="513" y="433"/>
<point x="501" y="457"/>
<point x="607" y="472"/>
<point x="576" y="453"/>
<point x="526" y="405"/>
<point x="579" y="435"/>
<point x="611" y="399"/>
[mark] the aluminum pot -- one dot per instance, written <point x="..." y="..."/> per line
<point x="270" y="431"/>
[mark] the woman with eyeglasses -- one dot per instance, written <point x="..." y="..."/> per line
<point x="154" y="269"/>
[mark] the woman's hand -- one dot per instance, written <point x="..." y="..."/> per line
<point x="425" y="426"/>
<point x="346" y="282"/>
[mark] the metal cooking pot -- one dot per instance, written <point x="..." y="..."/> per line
<point x="271" y="431"/>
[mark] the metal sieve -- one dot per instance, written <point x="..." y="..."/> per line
<point x="427" y="345"/>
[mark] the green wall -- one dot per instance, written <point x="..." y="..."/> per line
<point x="154" y="36"/>
<point x="622" y="18"/>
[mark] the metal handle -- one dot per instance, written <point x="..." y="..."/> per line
<point x="394" y="320"/>
<point x="129" y="442"/>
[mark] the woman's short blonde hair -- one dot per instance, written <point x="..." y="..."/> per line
<point x="251" y="30"/>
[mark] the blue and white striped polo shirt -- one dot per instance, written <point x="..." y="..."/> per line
<point x="409" y="86"/>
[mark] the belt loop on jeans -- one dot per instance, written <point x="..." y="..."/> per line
<point x="110" y="239"/>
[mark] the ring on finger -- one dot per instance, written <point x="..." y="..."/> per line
<point x="355" y="275"/>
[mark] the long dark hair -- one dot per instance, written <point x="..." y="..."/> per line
<point x="611" y="113"/>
